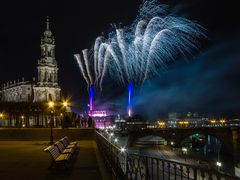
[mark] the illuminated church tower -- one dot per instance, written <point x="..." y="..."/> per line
<point x="47" y="87"/>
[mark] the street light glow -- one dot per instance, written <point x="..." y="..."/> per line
<point x="122" y="149"/>
<point x="219" y="164"/>
<point x="184" y="150"/>
<point x="65" y="104"/>
<point x="51" y="104"/>
<point x="222" y="121"/>
<point x="213" y="121"/>
<point x="161" y="123"/>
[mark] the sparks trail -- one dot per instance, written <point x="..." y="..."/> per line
<point x="81" y="66"/>
<point x="142" y="50"/>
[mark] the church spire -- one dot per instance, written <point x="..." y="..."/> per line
<point x="47" y="23"/>
<point x="47" y="87"/>
<point x="47" y="42"/>
<point x="47" y="33"/>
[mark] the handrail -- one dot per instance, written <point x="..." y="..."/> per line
<point x="135" y="166"/>
<point x="107" y="140"/>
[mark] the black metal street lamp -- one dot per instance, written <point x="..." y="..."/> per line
<point x="65" y="105"/>
<point x="51" y="107"/>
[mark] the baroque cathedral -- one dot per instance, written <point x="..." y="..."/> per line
<point x="46" y="87"/>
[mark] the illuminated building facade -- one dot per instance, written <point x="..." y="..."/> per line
<point x="46" y="87"/>
<point x="102" y="118"/>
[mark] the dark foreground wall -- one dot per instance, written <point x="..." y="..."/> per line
<point x="43" y="134"/>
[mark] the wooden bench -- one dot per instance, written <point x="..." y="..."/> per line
<point x="71" y="143"/>
<point x="67" y="145"/>
<point x="62" y="149"/>
<point x="57" y="158"/>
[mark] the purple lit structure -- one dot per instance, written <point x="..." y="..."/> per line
<point x="101" y="118"/>
<point x="130" y="91"/>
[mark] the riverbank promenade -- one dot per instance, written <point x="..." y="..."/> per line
<point x="25" y="159"/>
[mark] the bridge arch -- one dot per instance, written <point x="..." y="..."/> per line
<point x="225" y="137"/>
<point x="199" y="133"/>
<point x="203" y="142"/>
<point x="177" y="135"/>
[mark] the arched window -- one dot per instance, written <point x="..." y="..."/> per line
<point x="43" y="51"/>
<point x="52" y="52"/>
<point x="50" y="97"/>
<point x="46" y="76"/>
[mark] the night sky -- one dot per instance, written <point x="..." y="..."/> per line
<point x="209" y="82"/>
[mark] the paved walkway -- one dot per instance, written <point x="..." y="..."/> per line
<point x="26" y="160"/>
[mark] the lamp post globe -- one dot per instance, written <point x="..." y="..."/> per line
<point x="65" y="104"/>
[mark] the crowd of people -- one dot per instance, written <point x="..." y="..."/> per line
<point x="83" y="122"/>
<point x="86" y="122"/>
<point x="74" y="120"/>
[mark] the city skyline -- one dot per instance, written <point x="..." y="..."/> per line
<point x="21" y="35"/>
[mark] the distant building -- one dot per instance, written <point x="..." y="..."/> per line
<point x="173" y="118"/>
<point x="102" y="118"/>
<point x="120" y="121"/>
<point x="46" y="86"/>
<point x="195" y="119"/>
